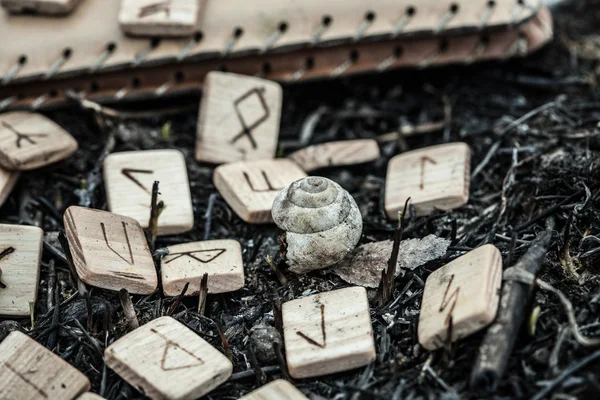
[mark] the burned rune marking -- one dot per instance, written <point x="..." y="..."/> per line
<point x="27" y="380"/>
<point x="323" y="333"/>
<point x="266" y="178"/>
<point x="3" y="254"/>
<point x="128" y="173"/>
<point x="193" y="254"/>
<point x="446" y="300"/>
<point x="247" y="129"/>
<point x="130" y="261"/>
<point x="155" y="8"/>
<point x="172" y="346"/>
<point x="423" y="160"/>
<point x="22" y="136"/>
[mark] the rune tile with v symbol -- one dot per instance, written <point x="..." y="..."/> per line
<point x="188" y="262"/>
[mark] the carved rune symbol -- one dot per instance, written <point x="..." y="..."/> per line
<point x="247" y="129"/>
<point x="449" y="301"/>
<point x="155" y="8"/>
<point x="130" y="261"/>
<point x="22" y="136"/>
<point x="176" y="357"/>
<point x="323" y="333"/>
<point x="3" y="254"/>
<point x="424" y="159"/>
<point x="128" y="172"/>
<point x="270" y="187"/>
<point x="28" y="381"/>
<point x="198" y="255"/>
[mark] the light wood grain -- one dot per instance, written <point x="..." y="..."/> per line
<point x="50" y="7"/>
<point x="90" y="396"/>
<point x="166" y="360"/>
<point x="249" y="187"/>
<point x="29" y="140"/>
<point x="434" y="177"/>
<point x="110" y="251"/>
<point x="188" y="262"/>
<point x="20" y="269"/>
<point x="159" y="17"/>
<point x="8" y="180"/>
<point x="276" y="390"/>
<point x="128" y="178"/>
<point x="328" y="332"/>
<point x="464" y="292"/>
<point x="230" y="104"/>
<point x="29" y="371"/>
<point x="336" y="154"/>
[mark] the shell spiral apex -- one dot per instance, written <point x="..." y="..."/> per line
<point x="321" y="220"/>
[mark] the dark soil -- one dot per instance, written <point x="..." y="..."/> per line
<point x="533" y="167"/>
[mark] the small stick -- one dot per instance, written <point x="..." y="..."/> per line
<point x="282" y="362"/>
<point x="280" y="276"/>
<point x="128" y="309"/>
<point x="154" y="212"/>
<point x="500" y="338"/>
<point x="261" y="377"/>
<point x="224" y="342"/>
<point x="178" y="300"/>
<point x="51" y="284"/>
<point x="203" y="294"/>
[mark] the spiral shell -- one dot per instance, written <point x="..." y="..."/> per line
<point x="322" y="222"/>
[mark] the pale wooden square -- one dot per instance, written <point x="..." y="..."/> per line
<point x="249" y="187"/>
<point x="435" y="177"/>
<point x="90" y="396"/>
<point x="466" y="289"/>
<point x="29" y="140"/>
<point x="228" y="100"/>
<point x="110" y="251"/>
<point x="29" y="371"/>
<point x="159" y="17"/>
<point x="20" y="269"/>
<point x="188" y="262"/>
<point x="277" y="390"/>
<point x="328" y="332"/>
<point x="335" y="154"/>
<point x="8" y="180"/>
<point x="50" y="7"/>
<point x="164" y="359"/>
<point x="128" y="178"/>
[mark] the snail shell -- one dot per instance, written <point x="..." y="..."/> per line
<point x="322" y="222"/>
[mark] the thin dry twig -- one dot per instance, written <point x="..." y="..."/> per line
<point x="203" y="294"/>
<point x="128" y="309"/>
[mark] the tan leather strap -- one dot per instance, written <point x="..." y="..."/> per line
<point x="159" y="80"/>
<point x="90" y="38"/>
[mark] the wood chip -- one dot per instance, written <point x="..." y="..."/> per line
<point x="249" y="187"/>
<point x="239" y="118"/>
<point x="29" y="140"/>
<point x="328" y="332"/>
<point x="277" y="390"/>
<point x="336" y="154"/>
<point x="435" y="178"/>
<point x="29" y="371"/>
<point x="464" y="293"/>
<point x="159" y="17"/>
<point x="20" y="255"/>
<point x="110" y="251"/>
<point x="129" y="176"/>
<point x="164" y="359"/>
<point x="188" y="262"/>
<point x="50" y="7"/>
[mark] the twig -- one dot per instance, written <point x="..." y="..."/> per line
<point x="524" y="118"/>
<point x="51" y="284"/>
<point x="178" y="300"/>
<point x="208" y="215"/>
<point x="281" y="360"/>
<point x="203" y="294"/>
<point x="128" y="309"/>
<point x="499" y="340"/>
<point x="280" y="276"/>
<point x="224" y="342"/>
<point x="154" y="213"/>
<point x="261" y="377"/>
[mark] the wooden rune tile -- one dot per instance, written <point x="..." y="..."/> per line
<point x="164" y="359"/>
<point x="29" y="371"/>
<point x="434" y="177"/>
<point x="188" y="262"/>
<point x="249" y="187"/>
<point x="277" y="390"/>
<point x="50" y="7"/>
<point x="129" y="176"/>
<point x="29" y="140"/>
<point x="159" y="17"/>
<point x="464" y="293"/>
<point x="335" y="154"/>
<point x="328" y="332"/>
<point x="110" y="251"/>
<point x="239" y="118"/>
<point x="20" y="255"/>
<point x="8" y="180"/>
<point x="90" y="396"/>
